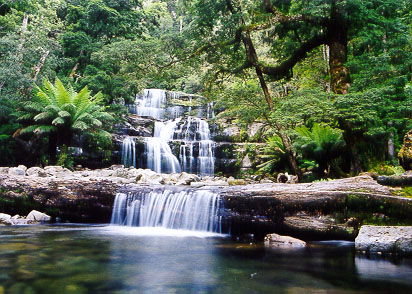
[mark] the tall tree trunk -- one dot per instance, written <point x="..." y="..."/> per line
<point x="338" y="49"/>
<point x="40" y="65"/>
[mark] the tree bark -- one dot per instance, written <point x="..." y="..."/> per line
<point x="40" y="65"/>
<point x="338" y="49"/>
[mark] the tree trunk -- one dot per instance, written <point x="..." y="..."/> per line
<point x="52" y="147"/>
<point x="40" y="65"/>
<point x="338" y="50"/>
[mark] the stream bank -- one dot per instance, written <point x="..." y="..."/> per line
<point x="314" y="211"/>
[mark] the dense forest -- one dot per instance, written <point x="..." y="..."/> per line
<point x="329" y="80"/>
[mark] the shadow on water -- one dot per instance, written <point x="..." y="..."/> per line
<point x="99" y="259"/>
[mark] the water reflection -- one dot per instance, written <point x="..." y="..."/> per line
<point x="96" y="259"/>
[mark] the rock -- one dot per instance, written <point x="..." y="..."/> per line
<point x="278" y="241"/>
<point x="233" y="182"/>
<point x="116" y="166"/>
<point x="23" y="167"/>
<point x="16" y="171"/>
<point x="316" y="227"/>
<point x="405" y="153"/>
<point x="36" y="172"/>
<point x="209" y="183"/>
<point x="266" y="181"/>
<point x="403" y="245"/>
<point x="53" y="169"/>
<point x="16" y="216"/>
<point x="153" y="179"/>
<point x="186" y="179"/>
<point x="282" y="178"/>
<point x="4" y="170"/>
<point x="38" y="216"/>
<point x="4" y="216"/>
<point x="385" y="239"/>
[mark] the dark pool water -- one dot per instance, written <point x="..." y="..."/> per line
<point x="98" y="259"/>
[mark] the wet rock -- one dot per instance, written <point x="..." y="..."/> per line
<point x="38" y="216"/>
<point x="385" y="239"/>
<point x="316" y="227"/>
<point x="278" y="241"/>
<point x="16" y="171"/>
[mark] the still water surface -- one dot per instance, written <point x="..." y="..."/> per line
<point x="100" y="259"/>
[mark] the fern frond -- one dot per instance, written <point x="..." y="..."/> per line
<point x="58" y="121"/>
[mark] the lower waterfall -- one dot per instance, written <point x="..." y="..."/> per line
<point x="199" y="210"/>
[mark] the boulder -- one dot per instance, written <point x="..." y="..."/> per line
<point x="38" y="216"/>
<point x="23" y="167"/>
<point x="385" y="239"/>
<point x="4" y="170"/>
<point x="16" y="171"/>
<point x="278" y="241"/>
<point x="186" y="179"/>
<point x="4" y="216"/>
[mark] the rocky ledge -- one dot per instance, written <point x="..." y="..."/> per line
<point x="385" y="239"/>
<point x="323" y="210"/>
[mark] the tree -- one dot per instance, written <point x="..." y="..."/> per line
<point x="321" y="144"/>
<point x="60" y="113"/>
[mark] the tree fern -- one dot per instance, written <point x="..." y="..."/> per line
<point x="61" y="111"/>
<point x="322" y="144"/>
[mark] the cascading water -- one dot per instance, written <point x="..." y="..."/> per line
<point x="151" y="104"/>
<point x="199" y="210"/>
<point x="190" y="135"/>
<point x="196" y="150"/>
<point x="128" y="152"/>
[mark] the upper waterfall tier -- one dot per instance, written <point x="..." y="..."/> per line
<point x="162" y="105"/>
<point x="181" y="139"/>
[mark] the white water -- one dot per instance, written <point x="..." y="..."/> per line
<point x="151" y="104"/>
<point x="195" y="134"/>
<point x="129" y="152"/>
<point x="196" y="150"/>
<point x="184" y="210"/>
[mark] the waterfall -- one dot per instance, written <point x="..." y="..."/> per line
<point x="189" y="135"/>
<point x="151" y="104"/>
<point x="196" y="150"/>
<point x="128" y="152"/>
<point x="199" y="210"/>
<point x="159" y="154"/>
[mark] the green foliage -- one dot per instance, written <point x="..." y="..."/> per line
<point x="273" y="155"/>
<point x="60" y="113"/>
<point x="321" y="144"/>
<point x="64" y="159"/>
